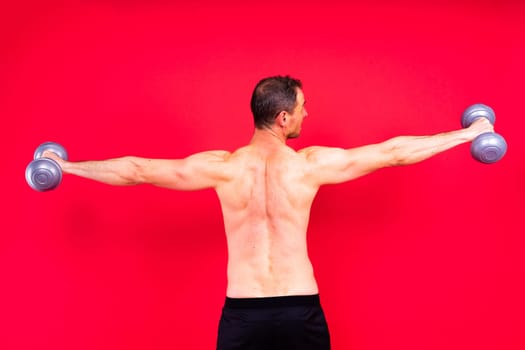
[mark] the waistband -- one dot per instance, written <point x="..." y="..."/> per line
<point x="269" y="302"/>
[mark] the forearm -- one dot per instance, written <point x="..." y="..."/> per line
<point x="407" y="150"/>
<point x="119" y="171"/>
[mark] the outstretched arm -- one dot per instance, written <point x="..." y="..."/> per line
<point x="336" y="165"/>
<point x="198" y="171"/>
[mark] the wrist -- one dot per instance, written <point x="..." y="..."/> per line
<point x="64" y="165"/>
<point x="467" y="135"/>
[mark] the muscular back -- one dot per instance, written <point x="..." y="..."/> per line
<point x="266" y="206"/>
<point x="266" y="190"/>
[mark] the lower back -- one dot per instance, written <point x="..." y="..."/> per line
<point x="264" y="264"/>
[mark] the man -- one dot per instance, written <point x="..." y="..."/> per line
<point x="266" y="190"/>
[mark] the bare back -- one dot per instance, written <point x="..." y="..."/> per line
<point x="266" y="207"/>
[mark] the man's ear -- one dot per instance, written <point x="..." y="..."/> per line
<point x="281" y="118"/>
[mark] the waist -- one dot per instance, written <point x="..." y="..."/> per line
<point x="285" y="277"/>
<point x="272" y="302"/>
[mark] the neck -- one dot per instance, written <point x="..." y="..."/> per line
<point x="268" y="135"/>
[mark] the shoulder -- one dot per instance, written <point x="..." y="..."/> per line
<point x="228" y="160"/>
<point x="213" y="155"/>
<point x="317" y="153"/>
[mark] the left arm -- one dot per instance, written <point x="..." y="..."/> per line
<point x="198" y="171"/>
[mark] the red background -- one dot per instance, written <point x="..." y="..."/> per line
<point x="421" y="257"/>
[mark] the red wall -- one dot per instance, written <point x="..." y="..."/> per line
<point x="428" y="256"/>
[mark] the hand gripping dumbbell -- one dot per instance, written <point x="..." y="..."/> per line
<point x="488" y="147"/>
<point x="44" y="174"/>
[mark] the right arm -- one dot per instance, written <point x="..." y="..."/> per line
<point x="336" y="165"/>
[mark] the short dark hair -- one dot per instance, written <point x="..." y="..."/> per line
<point x="271" y="96"/>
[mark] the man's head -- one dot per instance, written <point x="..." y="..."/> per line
<point x="276" y="97"/>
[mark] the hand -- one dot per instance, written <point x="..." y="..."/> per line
<point x="480" y="126"/>
<point x="52" y="155"/>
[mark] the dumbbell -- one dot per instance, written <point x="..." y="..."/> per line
<point x="44" y="174"/>
<point x="488" y="147"/>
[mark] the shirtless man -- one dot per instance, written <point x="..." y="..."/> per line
<point x="266" y="190"/>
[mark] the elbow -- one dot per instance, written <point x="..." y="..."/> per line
<point x="396" y="154"/>
<point x="399" y="159"/>
<point x="134" y="175"/>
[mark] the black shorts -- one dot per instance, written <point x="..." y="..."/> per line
<point x="290" y="322"/>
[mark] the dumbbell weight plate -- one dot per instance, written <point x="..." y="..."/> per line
<point x="43" y="174"/>
<point x="476" y="111"/>
<point x="50" y="146"/>
<point x="488" y="147"/>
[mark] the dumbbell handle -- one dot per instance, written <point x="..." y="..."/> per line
<point x="475" y="112"/>
<point x="54" y="147"/>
